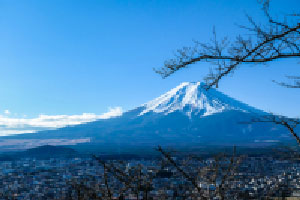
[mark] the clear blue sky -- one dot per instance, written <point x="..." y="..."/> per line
<point x="72" y="57"/>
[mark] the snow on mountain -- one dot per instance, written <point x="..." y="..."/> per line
<point x="193" y="98"/>
<point x="188" y="116"/>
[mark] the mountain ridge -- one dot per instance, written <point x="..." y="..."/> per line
<point x="195" y="94"/>
<point x="186" y="116"/>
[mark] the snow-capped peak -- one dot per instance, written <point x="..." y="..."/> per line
<point x="192" y="98"/>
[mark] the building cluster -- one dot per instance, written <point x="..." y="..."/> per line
<point x="71" y="178"/>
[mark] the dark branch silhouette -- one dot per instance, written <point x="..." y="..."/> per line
<point x="276" y="40"/>
<point x="288" y="123"/>
<point x="296" y="83"/>
<point x="221" y="173"/>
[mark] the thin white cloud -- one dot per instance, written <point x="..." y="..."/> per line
<point x="9" y="125"/>
<point x="112" y="112"/>
<point x="7" y="112"/>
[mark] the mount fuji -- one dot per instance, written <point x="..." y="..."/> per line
<point x="188" y="116"/>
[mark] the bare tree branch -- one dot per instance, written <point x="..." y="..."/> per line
<point x="276" y="40"/>
<point x="169" y="158"/>
<point x="288" y="123"/>
<point x="295" y="85"/>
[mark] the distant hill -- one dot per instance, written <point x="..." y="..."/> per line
<point x="49" y="150"/>
<point x="187" y="116"/>
<point x="41" y="152"/>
